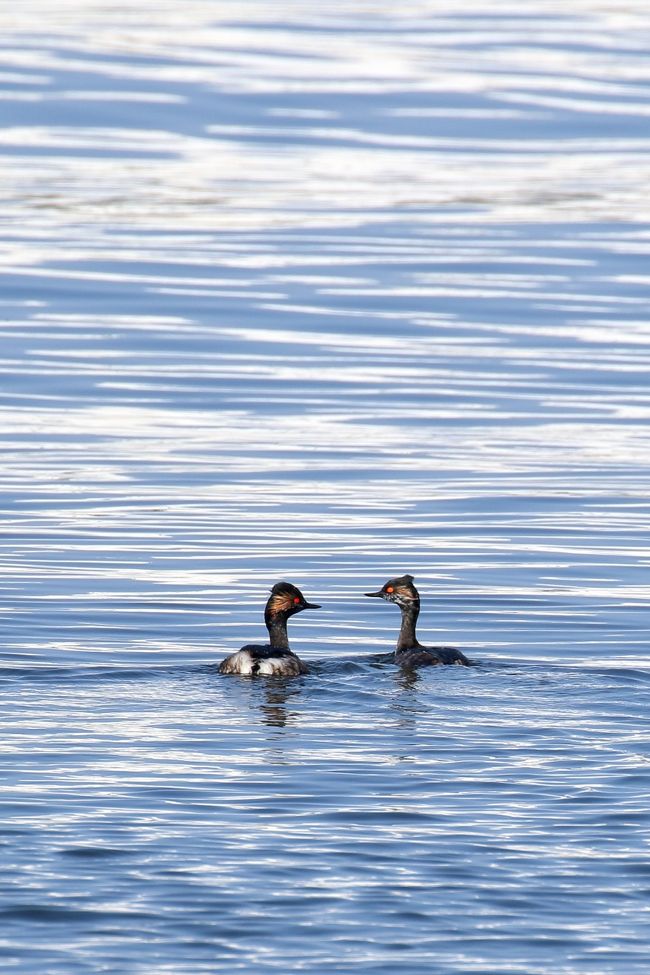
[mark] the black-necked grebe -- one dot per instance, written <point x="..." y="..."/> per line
<point x="409" y="652"/>
<point x="272" y="659"/>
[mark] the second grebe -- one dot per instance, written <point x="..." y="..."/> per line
<point x="409" y="652"/>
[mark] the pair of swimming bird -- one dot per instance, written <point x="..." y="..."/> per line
<point x="275" y="659"/>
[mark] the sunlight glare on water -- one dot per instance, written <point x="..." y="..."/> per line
<point x="328" y="295"/>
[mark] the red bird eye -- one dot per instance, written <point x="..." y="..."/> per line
<point x="389" y="589"/>
<point x="296" y="601"/>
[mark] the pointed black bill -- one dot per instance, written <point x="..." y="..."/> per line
<point x="378" y="594"/>
<point x="307" y="605"/>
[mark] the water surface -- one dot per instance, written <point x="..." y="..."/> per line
<point x="325" y="295"/>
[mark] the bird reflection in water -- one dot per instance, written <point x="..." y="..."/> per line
<point x="407" y="680"/>
<point x="275" y="695"/>
<point x="407" y="705"/>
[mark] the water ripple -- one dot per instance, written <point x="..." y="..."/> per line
<point x="328" y="295"/>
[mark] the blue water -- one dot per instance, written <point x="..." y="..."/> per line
<point x="325" y="295"/>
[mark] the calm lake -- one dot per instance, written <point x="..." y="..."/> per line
<point x="326" y="293"/>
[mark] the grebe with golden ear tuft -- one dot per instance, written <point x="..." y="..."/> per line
<point x="275" y="658"/>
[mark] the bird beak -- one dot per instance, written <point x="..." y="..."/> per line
<point x="378" y="594"/>
<point x="307" y="605"/>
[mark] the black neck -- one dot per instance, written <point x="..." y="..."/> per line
<point x="276" y="624"/>
<point x="407" y="638"/>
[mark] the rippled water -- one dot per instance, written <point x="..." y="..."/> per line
<point x="326" y="294"/>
